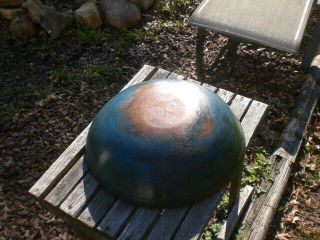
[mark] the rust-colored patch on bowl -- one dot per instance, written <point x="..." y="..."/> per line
<point x="155" y="113"/>
<point x="206" y="127"/>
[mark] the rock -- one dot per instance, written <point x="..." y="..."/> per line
<point x="10" y="3"/>
<point x="11" y="13"/>
<point x="120" y="14"/>
<point x="78" y="3"/>
<point x="144" y="4"/>
<point x="51" y="21"/>
<point x="54" y="23"/>
<point x="36" y="9"/>
<point x="88" y="15"/>
<point x="23" y="27"/>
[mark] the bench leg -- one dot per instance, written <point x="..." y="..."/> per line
<point x="232" y="49"/>
<point x="83" y="235"/>
<point x="311" y="49"/>
<point x="201" y="34"/>
<point x="235" y="187"/>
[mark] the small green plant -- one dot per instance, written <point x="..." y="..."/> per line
<point x="45" y="49"/>
<point x="85" y="36"/>
<point x="156" y="28"/>
<point x="6" y="90"/>
<point x="104" y="71"/>
<point x="309" y="148"/>
<point x="171" y="7"/>
<point x="63" y="76"/>
<point x="127" y="38"/>
<point x="8" y="113"/>
<point x="253" y="173"/>
<point x="221" y="213"/>
<point x="132" y="35"/>
<point x="94" y="73"/>
<point x="222" y="208"/>
<point x="212" y="231"/>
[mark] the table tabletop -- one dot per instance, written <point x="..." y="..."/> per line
<point x="276" y="23"/>
<point x="69" y="190"/>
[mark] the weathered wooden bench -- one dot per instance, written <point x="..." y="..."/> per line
<point x="68" y="189"/>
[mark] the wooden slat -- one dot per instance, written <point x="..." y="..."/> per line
<point x="197" y="218"/>
<point x="160" y="74"/>
<point x="169" y="221"/>
<point x="116" y="218"/>
<point x="144" y="74"/>
<point x="59" y="168"/>
<point x="67" y="183"/>
<point x="252" y="118"/>
<point x="235" y="214"/>
<point x="96" y="209"/>
<point x="239" y="106"/>
<point x="225" y="95"/>
<point x="211" y="88"/>
<point x="176" y="76"/>
<point x="194" y="81"/>
<point x="77" y="199"/>
<point x="139" y="224"/>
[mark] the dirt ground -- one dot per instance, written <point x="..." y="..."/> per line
<point x="51" y="89"/>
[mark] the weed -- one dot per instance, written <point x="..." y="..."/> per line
<point x="62" y="76"/>
<point x="127" y="38"/>
<point x="158" y="27"/>
<point x="46" y="49"/>
<point x="253" y="173"/>
<point x="308" y="236"/>
<point x="171" y="8"/>
<point x="311" y="178"/>
<point x="6" y="90"/>
<point x="212" y="231"/>
<point x="222" y="208"/>
<point x="221" y="213"/>
<point x="309" y="148"/>
<point x="95" y="73"/>
<point x="133" y="35"/>
<point x="8" y="113"/>
<point x="85" y="36"/>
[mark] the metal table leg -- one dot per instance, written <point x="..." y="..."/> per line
<point x="232" y="48"/>
<point x="201" y="34"/>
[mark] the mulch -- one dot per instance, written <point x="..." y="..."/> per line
<point x="50" y="90"/>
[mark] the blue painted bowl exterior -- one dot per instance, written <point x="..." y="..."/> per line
<point x="164" y="143"/>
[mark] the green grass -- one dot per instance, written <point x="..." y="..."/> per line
<point x="90" y="36"/>
<point x="132" y="35"/>
<point x="157" y="28"/>
<point x="308" y="236"/>
<point x="45" y="49"/>
<point x="127" y="38"/>
<point x="8" y="113"/>
<point x="95" y="73"/>
<point x="212" y="231"/>
<point x="260" y="169"/>
<point x="172" y="8"/>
